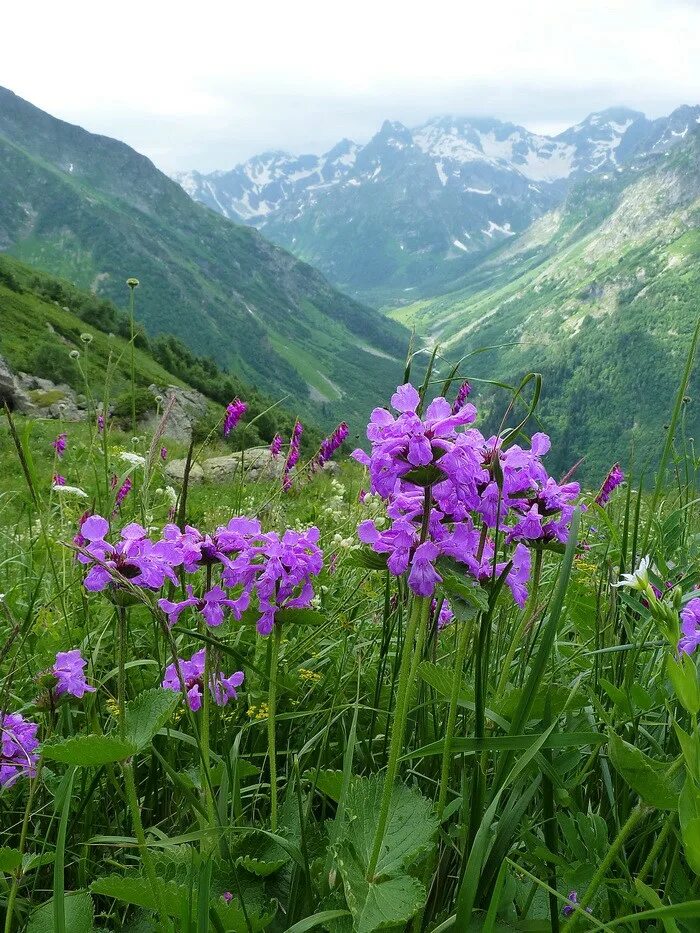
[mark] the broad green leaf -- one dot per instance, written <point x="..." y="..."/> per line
<point x="424" y="475"/>
<point x="558" y="698"/>
<point x="652" y="898"/>
<point x="410" y="826"/>
<point x="683" y="674"/>
<point x="619" y="698"/>
<point x="328" y="782"/>
<point x="441" y="681"/>
<point x="132" y="889"/>
<point x="9" y="858"/>
<point x="457" y="583"/>
<point x="320" y="919"/>
<point x="147" y="713"/>
<point x="88" y="751"/>
<point x="379" y="905"/>
<point x="649" y="778"/>
<point x="78" y="909"/>
<point x="260" y="867"/>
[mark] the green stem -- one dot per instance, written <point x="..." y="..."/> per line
<point x="17" y="877"/>
<point x="271" y="711"/>
<point x="132" y="800"/>
<point x="121" y="663"/>
<point x="522" y="628"/>
<point x="205" y="742"/>
<point x="133" y="367"/>
<point x="462" y="643"/>
<point x="633" y="820"/>
<point x="410" y="659"/>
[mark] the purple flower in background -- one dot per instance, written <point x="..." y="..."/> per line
<point x="100" y="424"/>
<point x="234" y="412"/>
<point x="292" y="455"/>
<point x="212" y="605"/>
<point x="461" y="397"/>
<point x="60" y="444"/>
<point x="227" y="896"/>
<point x="222" y="688"/>
<point x="330" y="444"/>
<point x="122" y="493"/>
<point x="276" y="446"/>
<point x="18" y="743"/>
<point x="612" y="481"/>
<point x="445" y="616"/>
<point x="569" y="908"/>
<point x="69" y="671"/>
<point x="690" y="626"/>
<point x="58" y="480"/>
<point x="164" y="453"/>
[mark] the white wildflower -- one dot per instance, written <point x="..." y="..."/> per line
<point x="70" y="491"/>
<point x="639" y="580"/>
<point x="134" y="459"/>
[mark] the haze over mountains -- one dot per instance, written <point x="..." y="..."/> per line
<point x="414" y="208"/>
<point x="93" y="210"/>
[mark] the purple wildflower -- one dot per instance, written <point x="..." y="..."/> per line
<point x="569" y="908"/>
<point x="212" y="605"/>
<point x="612" y="481"/>
<point x="58" y="480"/>
<point x="122" y="493"/>
<point x="69" y="671"/>
<point x="222" y="688"/>
<point x="234" y="412"/>
<point x="227" y="896"/>
<point x="100" y="424"/>
<point x="445" y="616"/>
<point x="462" y="395"/>
<point x="276" y="446"/>
<point x="60" y="444"/>
<point x="330" y="444"/>
<point x="18" y="743"/>
<point x="690" y="626"/>
<point x="164" y="453"/>
<point x="292" y="455"/>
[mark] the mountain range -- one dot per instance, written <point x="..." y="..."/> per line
<point x="91" y="209"/>
<point x="414" y="208"/>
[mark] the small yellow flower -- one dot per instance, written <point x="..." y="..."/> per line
<point x="252" y="710"/>
<point x="262" y="712"/>
<point x="112" y="707"/>
<point x="310" y="676"/>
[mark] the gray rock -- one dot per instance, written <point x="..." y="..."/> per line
<point x="188" y="407"/>
<point x="175" y="472"/>
<point x="258" y="463"/>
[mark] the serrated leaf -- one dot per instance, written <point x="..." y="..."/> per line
<point x="88" y="751"/>
<point x="260" y="867"/>
<point x="441" y="681"/>
<point x="132" y="889"/>
<point x="328" y="782"/>
<point x="79" y="913"/>
<point x="649" y="778"/>
<point x="9" y="858"/>
<point x="379" y="905"/>
<point x="366" y="558"/>
<point x="410" y="826"/>
<point x="147" y="713"/>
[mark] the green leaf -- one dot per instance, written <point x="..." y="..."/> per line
<point x="9" y="858"/>
<point x="472" y="746"/>
<point x="410" y="826"/>
<point x="455" y="583"/>
<point x="88" y="751"/>
<point x="132" y="889"/>
<point x="300" y="616"/>
<point x="78" y="909"/>
<point x="147" y="714"/>
<point x="653" y="899"/>
<point x="441" y="681"/>
<point x="322" y="918"/>
<point x="328" y="782"/>
<point x="649" y="778"/>
<point x="366" y="558"/>
<point x="260" y="867"/>
<point x="424" y="475"/>
<point x="378" y="905"/>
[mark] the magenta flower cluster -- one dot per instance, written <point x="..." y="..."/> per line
<point x="276" y="571"/>
<point x="60" y="444"/>
<point x="18" y="744"/>
<point x="234" y="412"/>
<point x="612" y="481"/>
<point x="189" y="676"/>
<point x="292" y="455"/>
<point x="69" y="671"/>
<point x="276" y="446"/>
<point x="478" y="488"/>
<point x="330" y="444"/>
<point x="690" y="627"/>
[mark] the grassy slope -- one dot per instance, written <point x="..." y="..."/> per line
<point x="96" y="212"/>
<point x="601" y="298"/>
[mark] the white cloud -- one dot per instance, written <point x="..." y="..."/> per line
<point x="207" y="84"/>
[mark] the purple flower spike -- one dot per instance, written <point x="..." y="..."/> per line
<point x="690" y="626"/>
<point x="100" y="424"/>
<point x="211" y="605"/>
<point x="234" y="412"/>
<point x="163" y="454"/>
<point x="70" y="674"/>
<point x="331" y="444"/>
<point x="276" y="446"/>
<point x="612" y="481"/>
<point x="60" y="444"/>
<point x="58" y="480"/>
<point x="462" y="395"/>
<point x="18" y="744"/>
<point x="292" y="455"/>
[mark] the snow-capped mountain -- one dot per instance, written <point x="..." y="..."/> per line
<point x="418" y="204"/>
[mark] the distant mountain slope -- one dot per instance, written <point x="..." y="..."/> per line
<point x="414" y="208"/>
<point x="601" y="296"/>
<point x="43" y="318"/>
<point x="93" y="210"/>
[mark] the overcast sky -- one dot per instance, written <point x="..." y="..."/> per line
<point x="207" y="84"/>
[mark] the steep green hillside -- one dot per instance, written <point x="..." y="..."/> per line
<point x="91" y="209"/>
<point x="42" y="322"/>
<point x="601" y="297"/>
